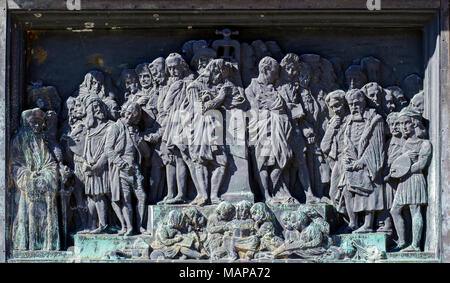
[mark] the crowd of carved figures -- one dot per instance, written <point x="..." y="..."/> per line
<point x="308" y="129"/>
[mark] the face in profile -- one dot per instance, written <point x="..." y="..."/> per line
<point x="389" y="104"/>
<point x="216" y="74"/>
<point x="417" y="103"/>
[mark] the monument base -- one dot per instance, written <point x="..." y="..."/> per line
<point x="88" y="246"/>
<point x="378" y="240"/>
<point x="48" y="255"/>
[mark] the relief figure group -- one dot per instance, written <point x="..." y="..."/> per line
<point x="302" y="131"/>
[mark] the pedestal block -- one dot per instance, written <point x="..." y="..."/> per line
<point x="158" y="213"/>
<point x="88" y="246"/>
<point x="325" y="210"/>
<point x="41" y="254"/>
<point x="370" y="239"/>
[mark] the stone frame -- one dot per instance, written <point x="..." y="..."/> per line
<point x="432" y="16"/>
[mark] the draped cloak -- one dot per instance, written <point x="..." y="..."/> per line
<point x="172" y="137"/>
<point x="366" y="184"/>
<point x="269" y="127"/>
<point x="35" y="225"/>
<point x="204" y="130"/>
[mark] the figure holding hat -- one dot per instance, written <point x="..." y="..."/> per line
<point x="35" y="175"/>
<point x="408" y="168"/>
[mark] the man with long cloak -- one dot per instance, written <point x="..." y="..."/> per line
<point x="363" y="162"/>
<point x="270" y="131"/>
<point x="213" y="90"/>
<point x="174" y="147"/>
<point x="332" y="144"/>
<point x="35" y="175"/>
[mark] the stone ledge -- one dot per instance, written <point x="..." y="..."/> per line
<point x="88" y="246"/>
<point x="39" y="254"/>
<point x="370" y="239"/>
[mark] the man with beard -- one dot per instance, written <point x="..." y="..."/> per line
<point x="213" y="90"/>
<point x="270" y="132"/>
<point x="94" y="85"/>
<point x="332" y="144"/>
<point x="363" y="160"/>
<point x="126" y="150"/>
<point x="74" y="142"/>
<point x="35" y="176"/>
<point x="175" y="148"/>
<point x="95" y="165"/>
<point x="129" y="84"/>
<point x="201" y="59"/>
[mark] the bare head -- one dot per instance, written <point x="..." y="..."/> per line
<point x="176" y="65"/>
<point x="356" y="101"/>
<point x="144" y="75"/>
<point x="336" y="102"/>
<point x="268" y="70"/>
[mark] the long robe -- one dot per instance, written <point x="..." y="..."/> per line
<point x="271" y="130"/>
<point x="366" y="184"/>
<point x="332" y="145"/>
<point x="172" y="138"/>
<point x="35" y="225"/>
<point x="206" y="131"/>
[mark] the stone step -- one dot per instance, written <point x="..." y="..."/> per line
<point x="39" y="254"/>
<point x="369" y="239"/>
<point x="89" y="246"/>
<point x="409" y="256"/>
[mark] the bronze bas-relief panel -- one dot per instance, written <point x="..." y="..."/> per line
<point x="318" y="131"/>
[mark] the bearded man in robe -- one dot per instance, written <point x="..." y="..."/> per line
<point x="363" y="160"/>
<point x="270" y="132"/>
<point x="35" y="175"/>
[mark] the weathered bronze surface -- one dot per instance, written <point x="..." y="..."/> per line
<point x="171" y="133"/>
<point x="257" y="141"/>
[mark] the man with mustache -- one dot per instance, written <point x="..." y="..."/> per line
<point x="363" y="161"/>
<point x="95" y="161"/>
